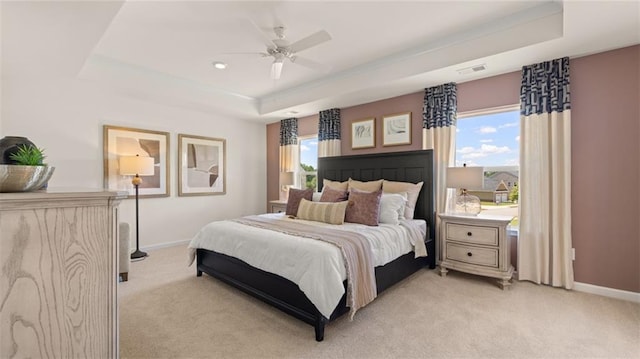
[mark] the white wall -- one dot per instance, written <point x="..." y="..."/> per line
<point x="65" y="117"/>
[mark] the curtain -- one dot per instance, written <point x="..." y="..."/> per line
<point x="439" y="116"/>
<point x="329" y="133"/>
<point x="544" y="241"/>
<point x="289" y="154"/>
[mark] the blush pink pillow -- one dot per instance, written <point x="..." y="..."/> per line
<point x="295" y="195"/>
<point x="333" y="195"/>
<point x="363" y="207"/>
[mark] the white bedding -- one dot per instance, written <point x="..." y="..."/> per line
<point x="315" y="266"/>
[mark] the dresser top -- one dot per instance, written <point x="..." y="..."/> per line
<point x="55" y="197"/>
<point x="64" y="192"/>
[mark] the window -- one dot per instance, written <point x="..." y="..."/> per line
<point x="491" y="139"/>
<point x="308" y="162"/>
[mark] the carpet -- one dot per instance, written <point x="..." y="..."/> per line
<point x="168" y="312"/>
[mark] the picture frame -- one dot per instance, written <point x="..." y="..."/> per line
<point x="126" y="141"/>
<point x="363" y="133"/>
<point x="201" y="165"/>
<point x="396" y="129"/>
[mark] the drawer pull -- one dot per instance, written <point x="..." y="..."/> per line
<point x="469" y="234"/>
<point x="469" y="254"/>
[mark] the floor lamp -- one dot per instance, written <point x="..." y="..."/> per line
<point x="137" y="166"/>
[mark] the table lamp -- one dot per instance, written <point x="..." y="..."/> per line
<point x="286" y="180"/>
<point x="466" y="178"/>
<point x="136" y="166"/>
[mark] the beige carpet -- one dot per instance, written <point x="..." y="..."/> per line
<point x="168" y="312"/>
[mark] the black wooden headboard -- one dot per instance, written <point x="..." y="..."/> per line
<point x="410" y="166"/>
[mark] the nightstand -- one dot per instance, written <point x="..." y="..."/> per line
<point x="277" y="206"/>
<point x="477" y="245"/>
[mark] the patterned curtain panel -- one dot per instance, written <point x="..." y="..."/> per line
<point x="544" y="243"/>
<point x="440" y="106"/>
<point x="289" y="161"/>
<point x="329" y="133"/>
<point x="439" y="116"/>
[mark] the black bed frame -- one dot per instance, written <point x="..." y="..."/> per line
<point x="413" y="166"/>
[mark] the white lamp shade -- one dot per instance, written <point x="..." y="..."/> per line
<point x="136" y="165"/>
<point x="465" y="177"/>
<point x="286" y="178"/>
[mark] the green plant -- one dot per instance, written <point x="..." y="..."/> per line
<point x="28" y="155"/>
<point x="514" y="194"/>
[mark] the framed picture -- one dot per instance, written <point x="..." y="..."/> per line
<point x="396" y="129"/>
<point x="122" y="141"/>
<point x="363" y="133"/>
<point x="201" y="165"/>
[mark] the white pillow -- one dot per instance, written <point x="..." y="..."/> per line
<point x="392" y="207"/>
<point x="411" y="189"/>
<point x="316" y="196"/>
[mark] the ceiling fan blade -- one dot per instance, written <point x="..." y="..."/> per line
<point x="261" y="54"/>
<point x="310" y="41"/>
<point x="263" y="37"/>
<point x="310" y="64"/>
<point x="276" y="69"/>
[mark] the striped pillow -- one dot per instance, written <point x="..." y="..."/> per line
<point x="327" y="212"/>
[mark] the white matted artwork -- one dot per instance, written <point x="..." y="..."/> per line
<point x="201" y="165"/>
<point x="396" y="129"/>
<point x="363" y="133"/>
<point x="124" y="141"/>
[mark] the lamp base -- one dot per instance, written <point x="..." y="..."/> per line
<point x="138" y="254"/>
<point x="467" y="205"/>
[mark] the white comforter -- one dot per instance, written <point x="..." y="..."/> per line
<point x="315" y="266"/>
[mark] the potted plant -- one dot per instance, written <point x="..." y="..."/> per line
<point x="27" y="170"/>
<point x="27" y="155"/>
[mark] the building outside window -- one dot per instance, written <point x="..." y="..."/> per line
<point x="308" y="175"/>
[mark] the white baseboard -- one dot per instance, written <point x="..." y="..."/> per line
<point x="607" y="292"/>
<point x="603" y="291"/>
<point x="164" y="245"/>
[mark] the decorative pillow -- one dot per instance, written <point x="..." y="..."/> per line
<point x="295" y="195"/>
<point x="334" y="184"/>
<point x="369" y="186"/>
<point x="333" y="195"/>
<point x="363" y="207"/>
<point x="327" y="212"/>
<point x="316" y="196"/>
<point x="391" y="207"/>
<point x="412" y="190"/>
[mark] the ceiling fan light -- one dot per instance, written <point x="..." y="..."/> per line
<point x="276" y="69"/>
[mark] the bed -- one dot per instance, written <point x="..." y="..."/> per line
<point x="282" y="293"/>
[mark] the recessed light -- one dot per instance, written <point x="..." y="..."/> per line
<point x="219" y="65"/>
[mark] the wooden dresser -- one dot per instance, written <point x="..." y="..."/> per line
<point x="58" y="257"/>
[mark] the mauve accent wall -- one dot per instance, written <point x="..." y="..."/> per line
<point x="605" y="93"/>
<point x="605" y="153"/>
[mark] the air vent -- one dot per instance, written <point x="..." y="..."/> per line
<point x="472" y="69"/>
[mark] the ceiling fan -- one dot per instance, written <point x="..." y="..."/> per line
<point x="280" y="49"/>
